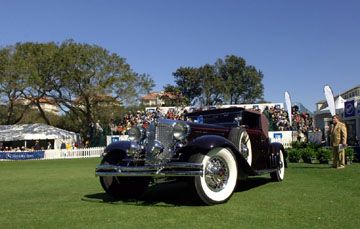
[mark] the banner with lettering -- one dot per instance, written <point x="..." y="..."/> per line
<point x="22" y="155"/>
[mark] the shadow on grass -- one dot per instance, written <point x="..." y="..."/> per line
<point x="171" y="194"/>
<point x="163" y="195"/>
<point x="252" y="183"/>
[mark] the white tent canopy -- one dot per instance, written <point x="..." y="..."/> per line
<point x="38" y="131"/>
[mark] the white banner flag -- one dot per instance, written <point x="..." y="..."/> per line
<point x="330" y="99"/>
<point x="288" y="106"/>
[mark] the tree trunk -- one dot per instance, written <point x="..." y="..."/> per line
<point x="42" y="113"/>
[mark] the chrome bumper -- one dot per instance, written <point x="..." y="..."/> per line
<point x="174" y="169"/>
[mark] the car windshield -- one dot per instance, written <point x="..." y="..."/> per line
<point x="219" y="117"/>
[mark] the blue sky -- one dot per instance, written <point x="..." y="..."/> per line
<point x="300" y="46"/>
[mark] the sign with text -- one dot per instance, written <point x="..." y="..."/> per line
<point x="22" y="155"/>
<point x="278" y="136"/>
<point x="283" y="137"/>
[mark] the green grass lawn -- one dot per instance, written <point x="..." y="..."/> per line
<point x="66" y="194"/>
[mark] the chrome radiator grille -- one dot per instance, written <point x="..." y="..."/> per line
<point x="162" y="133"/>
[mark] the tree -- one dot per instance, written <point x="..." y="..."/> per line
<point x="229" y="80"/>
<point x="232" y="71"/>
<point x="253" y="83"/>
<point x="243" y="84"/>
<point x="188" y="81"/>
<point x="212" y="85"/>
<point x="11" y="85"/>
<point x="173" y="97"/>
<point x="89" y="75"/>
<point x="37" y="67"/>
<point x="86" y="81"/>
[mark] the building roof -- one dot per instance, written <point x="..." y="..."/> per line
<point x="151" y="96"/>
<point x="36" y="131"/>
<point x="41" y="100"/>
<point x="336" y="96"/>
<point x="358" y="86"/>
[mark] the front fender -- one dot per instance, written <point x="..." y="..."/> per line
<point x="117" y="147"/>
<point x="206" y="143"/>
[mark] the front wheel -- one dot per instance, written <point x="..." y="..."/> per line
<point x="218" y="181"/>
<point x="122" y="187"/>
<point x="279" y="174"/>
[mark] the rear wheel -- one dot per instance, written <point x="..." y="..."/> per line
<point x="241" y="140"/>
<point x="218" y="181"/>
<point x="279" y="174"/>
<point x="122" y="187"/>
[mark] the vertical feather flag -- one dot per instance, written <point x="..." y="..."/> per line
<point x="330" y="99"/>
<point x="288" y="106"/>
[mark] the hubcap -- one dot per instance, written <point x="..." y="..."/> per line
<point x="216" y="174"/>
<point x="244" y="151"/>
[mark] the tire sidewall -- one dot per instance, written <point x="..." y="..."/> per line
<point x="109" y="184"/>
<point x="279" y="174"/>
<point x="248" y="145"/>
<point x="237" y="136"/>
<point x="205" y="193"/>
<point x="281" y="171"/>
<point x="122" y="187"/>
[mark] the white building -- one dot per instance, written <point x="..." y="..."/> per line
<point x="347" y="105"/>
<point x="47" y="104"/>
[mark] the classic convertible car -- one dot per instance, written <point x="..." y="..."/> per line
<point x="213" y="149"/>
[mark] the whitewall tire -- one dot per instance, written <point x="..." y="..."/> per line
<point x="279" y="174"/>
<point x="241" y="140"/>
<point x="219" y="178"/>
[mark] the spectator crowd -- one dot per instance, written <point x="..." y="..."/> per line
<point x="302" y="122"/>
<point x="142" y="118"/>
<point x="279" y="119"/>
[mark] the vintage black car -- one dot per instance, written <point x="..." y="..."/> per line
<point x="213" y="149"/>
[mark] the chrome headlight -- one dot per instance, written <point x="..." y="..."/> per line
<point x="180" y="130"/>
<point x="157" y="149"/>
<point x="136" y="133"/>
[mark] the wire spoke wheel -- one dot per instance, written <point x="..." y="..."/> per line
<point x="216" y="174"/>
<point x="219" y="178"/>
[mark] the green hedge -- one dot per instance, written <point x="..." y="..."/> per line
<point x="294" y="155"/>
<point x="349" y="153"/>
<point x="308" y="152"/>
<point x="324" y="155"/>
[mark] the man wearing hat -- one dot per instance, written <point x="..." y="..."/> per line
<point x="338" y="138"/>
